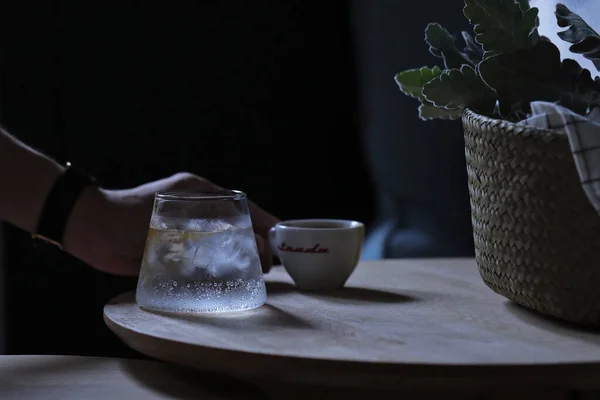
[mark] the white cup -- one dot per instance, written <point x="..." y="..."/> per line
<point x="319" y="254"/>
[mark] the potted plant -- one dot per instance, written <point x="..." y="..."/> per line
<point x="537" y="237"/>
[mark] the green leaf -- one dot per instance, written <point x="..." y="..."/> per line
<point x="411" y="82"/>
<point x="501" y="25"/>
<point x="473" y="50"/>
<point x="524" y="4"/>
<point x="428" y="111"/>
<point x="586" y="40"/>
<point x="538" y="74"/>
<point x="460" y="88"/>
<point x="442" y="45"/>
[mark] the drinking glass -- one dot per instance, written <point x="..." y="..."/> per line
<point x="200" y="255"/>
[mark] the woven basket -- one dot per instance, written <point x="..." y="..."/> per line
<point x="537" y="237"/>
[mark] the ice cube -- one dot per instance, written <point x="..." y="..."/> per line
<point x="245" y="254"/>
<point x="226" y="254"/>
<point x="210" y="249"/>
<point x="171" y="252"/>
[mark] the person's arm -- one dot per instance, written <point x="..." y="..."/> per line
<point x="106" y="228"/>
<point x="26" y="177"/>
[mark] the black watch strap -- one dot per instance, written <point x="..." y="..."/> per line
<point x="60" y="202"/>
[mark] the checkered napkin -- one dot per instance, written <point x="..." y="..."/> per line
<point x="584" y="138"/>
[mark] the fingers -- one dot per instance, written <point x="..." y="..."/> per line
<point x="264" y="251"/>
<point x="261" y="220"/>
<point x="188" y="181"/>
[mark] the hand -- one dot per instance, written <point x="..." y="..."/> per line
<point x="107" y="228"/>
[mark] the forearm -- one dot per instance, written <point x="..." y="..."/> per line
<point x="26" y="177"/>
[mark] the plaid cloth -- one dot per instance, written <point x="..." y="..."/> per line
<point x="584" y="137"/>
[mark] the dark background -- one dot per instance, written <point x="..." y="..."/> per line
<point x="254" y="95"/>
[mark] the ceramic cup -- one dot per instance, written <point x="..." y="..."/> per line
<point x="319" y="254"/>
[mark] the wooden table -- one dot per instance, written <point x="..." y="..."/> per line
<point x="413" y="326"/>
<point x="90" y="378"/>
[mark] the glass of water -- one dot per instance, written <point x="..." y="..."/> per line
<point x="200" y="255"/>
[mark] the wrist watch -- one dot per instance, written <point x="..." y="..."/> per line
<point x="59" y="204"/>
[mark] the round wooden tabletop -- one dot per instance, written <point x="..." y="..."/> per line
<point x="91" y="378"/>
<point x="397" y="323"/>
